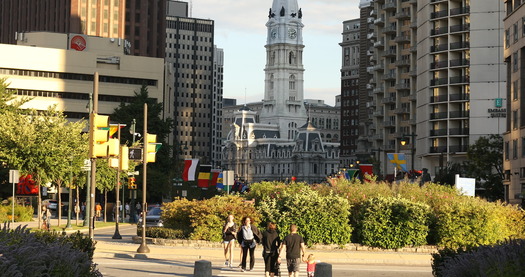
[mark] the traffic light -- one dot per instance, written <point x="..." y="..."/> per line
<point x="99" y="135"/>
<point x="124" y="158"/>
<point x="113" y="147"/>
<point x="150" y="147"/>
<point x="131" y="183"/>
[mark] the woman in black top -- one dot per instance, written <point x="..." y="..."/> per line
<point x="248" y="236"/>
<point x="271" y="243"/>
<point x="229" y="232"/>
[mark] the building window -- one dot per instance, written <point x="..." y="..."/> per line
<point x="292" y="82"/>
<point x="506" y="150"/>
<point x="522" y="148"/>
<point x="516" y="34"/>
<point x="515" y="120"/>
<point x="515" y="65"/>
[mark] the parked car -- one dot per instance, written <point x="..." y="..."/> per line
<point x="152" y="218"/>
<point x="53" y="204"/>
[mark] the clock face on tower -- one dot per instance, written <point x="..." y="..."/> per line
<point x="292" y="33"/>
<point x="273" y="34"/>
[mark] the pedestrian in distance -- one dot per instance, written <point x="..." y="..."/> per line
<point x="46" y="217"/>
<point x="293" y="246"/>
<point x="310" y="265"/>
<point x="229" y="232"/>
<point x="425" y="177"/>
<point x="270" y="243"/>
<point x="248" y="236"/>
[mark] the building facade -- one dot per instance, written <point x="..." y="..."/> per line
<point x="278" y="140"/>
<point x="67" y="82"/>
<point x="141" y="23"/>
<point x="198" y="82"/>
<point x="514" y="136"/>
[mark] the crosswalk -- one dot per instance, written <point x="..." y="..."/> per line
<point x="258" y="270"/>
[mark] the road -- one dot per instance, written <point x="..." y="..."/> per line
<point x="129" y="266"/>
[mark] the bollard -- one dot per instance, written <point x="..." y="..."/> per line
<point x="323" y="270"/>
<point x="202" y="269"/>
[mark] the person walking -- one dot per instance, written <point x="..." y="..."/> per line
<point x="248" y="236"/>
<point x="229" y="231"/>
<point x="310" y="265"/>
<point x="271" y="243"/>
<point x="293" y="246"/>
<point x="46" y="217"/>
<point x="425" y="177"/>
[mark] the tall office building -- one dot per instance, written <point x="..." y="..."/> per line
<point x="350" y="90"/>
<point x="460" y="77"/>
<point x="142" y="23"/>
<point x="514" y="136"/>
<point x="198" y="67"/>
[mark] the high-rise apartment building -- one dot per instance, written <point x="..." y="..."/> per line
<point x="198" y="69"/>
<point x="460" y="78"/>
<point x="437" y="78"/>
<point x="514" y="136"/>
<point x="141" y="23"/>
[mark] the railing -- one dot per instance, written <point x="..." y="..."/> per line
<point x="459" y="62"/>
<point x="459" y="28"/>
<point x="438" y="132"/>
<point x="459" y="97"/>
<point x="439" y="98"/>
<point x="439" y="81"/>
<point x="459" y="132"/>
<point x="458" y="114"/>
<point x="439" y="14"/>
<point x="440" y="115"/>
<point x="462" y="10"/>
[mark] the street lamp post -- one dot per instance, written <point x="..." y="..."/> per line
<point x="404" y="141"/>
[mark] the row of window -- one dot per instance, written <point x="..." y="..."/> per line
<point x="515" y="32"/>
<point x="71" y="95"/>
<point x="514" y="149"/>
<point x="77" y="76"/>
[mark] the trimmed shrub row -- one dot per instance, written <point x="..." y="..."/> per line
<point x="45" y="254"/>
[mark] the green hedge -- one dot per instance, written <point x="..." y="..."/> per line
<point x="320" y="219"/>
<point x="392" y="223"/>
<point x="22" y="213"/>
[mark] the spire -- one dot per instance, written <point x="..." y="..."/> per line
<point x="285" y="8"/>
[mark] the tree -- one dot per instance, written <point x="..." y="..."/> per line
<point x="159" y="173"/>
<point x="485" y="163"/>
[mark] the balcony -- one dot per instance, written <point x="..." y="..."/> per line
<point x="440" y="115"/>
<point x="439" y="82"/>
<point x="459" y="11"/>
<point x="379" y="113"/>
<point x="459" y="114"/>
<point x="402" y="63"/>
<point x="379" y="67"/>
<point x="370" y="20"/>
<point x="380" y="21"/>
<point x="438" y="48"/>
<point x="379" y="44"/>
<point x="439" y="98"/>
<point x="412" y="97"/>
<point x="459" y="132"/>
<point x="402" y="39"/>
<point x="402" y="111"/>
<point x="379" y="90"/>
<point x="460" y="28"/>
<point x="389" y="123"/>
<point x="389" y="77"/>
<point x="439" y="64"/>
<point x="459" y="62"/>
<point x="403" y="86"/>
<point x="371" y="35"/>
<point x="459" y="45"/>
<point x="438" y="149"/>
<point x="369" y="86"/>
<point x="388" y="100"/>
<point x="413" y="24"/>
<point x="439" y="31"/>
<point x="459" y="97"/>
<point x="377" y="137"/>
<point x="390" y="53"/>
<point x="390" y="5"/>
<point x="459" y="79"/>
<point x="438" y="132"/>
<point x="390" y="30"/>
<point x="413" y="49"/>
<point x="402" y="15"/>
<point x="439" y="14"/>
<point x="413" y="73"/>
<point x="458" y="148"/>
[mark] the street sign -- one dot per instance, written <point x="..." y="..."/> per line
<point x="87" y="165"/>
<point x="135" y="154"/>
<point x="14" y="176"/>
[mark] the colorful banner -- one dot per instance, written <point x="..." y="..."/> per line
<point x="204" y="176"/>
<point x="190" y="169"/>
<point x="220" y="181"/>
<point x="399" y="160"/>
<point x="351" y="173"/>
<point x="214" y="177"/>
<point x="366" y="169"/>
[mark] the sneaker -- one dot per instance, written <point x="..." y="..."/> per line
<point x="243" y="270"/>
<point x="226" y="263"/>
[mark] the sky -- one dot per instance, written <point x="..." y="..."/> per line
<point x="241" y="32"/>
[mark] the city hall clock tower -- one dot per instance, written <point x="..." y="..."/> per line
<point x="283" y="94"/>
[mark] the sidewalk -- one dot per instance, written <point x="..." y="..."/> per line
<point x="193" y="251"/>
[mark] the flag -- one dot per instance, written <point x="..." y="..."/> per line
<point x="398" y="159"/>
<point x="190" y="169"/>
<point x="351" y="173"/>
<point x="204" y="176"/>
<point x="215" y="177"/>
<point x="220" y="182"/>
<point x="366" y="169"/>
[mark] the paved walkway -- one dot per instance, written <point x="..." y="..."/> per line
<point x="196" y="251"/>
